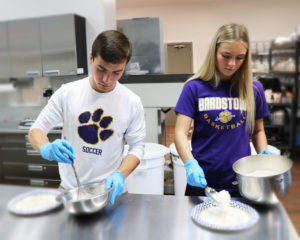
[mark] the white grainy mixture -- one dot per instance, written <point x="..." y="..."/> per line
<point x="224" y="217"/>
<point x="36" y="202"/>
<point x="262" y="173"/>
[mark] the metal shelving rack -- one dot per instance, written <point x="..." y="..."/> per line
<point x="283" y="51"/>
<point x="261" y="56"/>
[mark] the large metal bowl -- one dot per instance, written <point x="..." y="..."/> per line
<point x="86" y="199"/>
<point x="268" y="188"/>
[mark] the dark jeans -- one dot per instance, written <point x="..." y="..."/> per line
<point x="197" y="191"/>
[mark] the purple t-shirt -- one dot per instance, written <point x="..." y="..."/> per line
<point x="220" y="134"/>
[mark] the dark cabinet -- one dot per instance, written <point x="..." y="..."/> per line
<point x="21" y="164"/>
<point x="30" y="170"/>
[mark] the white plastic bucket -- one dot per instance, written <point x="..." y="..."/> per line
<point x="273" y="149"/>
<point x="179" y="172"/>
<point x="148" y="177"/>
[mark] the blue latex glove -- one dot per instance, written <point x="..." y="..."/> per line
<point x="115" y="180"/>
<point x="266" y="151"/>
<point x="194" y="173"/>
<point x="58" y="150"/>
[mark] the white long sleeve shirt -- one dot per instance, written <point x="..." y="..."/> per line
<point x="97" y="125"/>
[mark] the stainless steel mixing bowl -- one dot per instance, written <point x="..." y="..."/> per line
<point x="266" y="189"/>
<point x="86" y="199"/>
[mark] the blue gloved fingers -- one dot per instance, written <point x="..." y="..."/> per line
<point x="115" y="180"/>
<point x="117" y="191"/>
<point x="108" y="185"/>
<point x="201" y="172"/>
<point x="194" y="173"/>
<point x="59" y="150"/>
<point x="203" y="183"/>
<point x="65" y="147"/>
<point x="60" y="157"/>
<point x="192" y="179"/>
<point x="200" y="181"/>
<point x="266" y="151"/>
<point x="113" y="196"/>
<point x="196" y="180"/>
<point x="60" y="154"/>
<point x="69" y="146"/>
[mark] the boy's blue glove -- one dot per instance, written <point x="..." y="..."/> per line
<point x="116" y="181"/>
<point x="58" y="150"/>
<point x="266" y="151"/>
<point x="194" y="173"/>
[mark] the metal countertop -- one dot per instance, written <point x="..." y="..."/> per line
<point x="23" y="131"/>
<point x="135" y="216"/>
<point x="12" y="127"/>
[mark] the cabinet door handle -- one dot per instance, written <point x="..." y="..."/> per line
<point x="26" y="138"/>
<point x="12" y="148"/>
<point x="38" y="182"/>
<point x="80" y="71"/>
<point x="35" y="168"/>
<point x="32" y="152"/>
<point x="51" y="73"/>
<point x="179" y="46"/>
<point x="32" y="73"/>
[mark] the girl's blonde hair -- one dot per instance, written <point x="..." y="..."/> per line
<point x="242" y="79"/>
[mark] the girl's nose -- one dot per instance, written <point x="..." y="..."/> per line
<point x="232" y="62"/>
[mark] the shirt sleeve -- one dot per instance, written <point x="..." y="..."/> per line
<point x="52" y="113"/>
<point x="186" y="104"/>
<point x="261" y="106"/>
<point x="136" y="132"/>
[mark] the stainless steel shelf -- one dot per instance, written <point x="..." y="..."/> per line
<point x="283" y="73"/>
<point x="284" y="46"/>
<point x="280" y="104"/>
<point x="273" y="126"/>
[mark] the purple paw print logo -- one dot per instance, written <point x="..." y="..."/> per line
<point x="89" y="132"/>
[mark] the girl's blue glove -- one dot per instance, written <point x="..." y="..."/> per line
<point x="58" y="150"/>
<point x="194" y="173"/>
<point x="266" y="151"/>
<point x="116" y="181"/>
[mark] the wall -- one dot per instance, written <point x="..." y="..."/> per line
<point x="265" y="20"/>
<point x="110" y="14"/>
